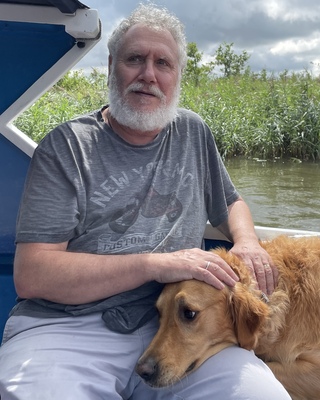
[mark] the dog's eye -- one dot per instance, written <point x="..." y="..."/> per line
<point x="189" y="314"/>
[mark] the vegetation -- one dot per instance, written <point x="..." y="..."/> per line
<point x="231" y="63"/>
<point x="74" y="94"/>
<point x="253" y="115"/>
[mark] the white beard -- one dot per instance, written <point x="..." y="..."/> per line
<point x="143" y="121"/>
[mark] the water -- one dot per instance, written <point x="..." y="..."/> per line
<point x="281" y="194"/>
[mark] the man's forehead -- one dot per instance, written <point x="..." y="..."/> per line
<point x="141" y="37"/>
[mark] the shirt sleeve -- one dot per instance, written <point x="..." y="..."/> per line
<point x="49" y="209"/>
<point x="221" y="191"/>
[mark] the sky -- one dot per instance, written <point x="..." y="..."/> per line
<point x="278" y="35"/>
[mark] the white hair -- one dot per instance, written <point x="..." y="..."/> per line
<point x="155" y="18"/>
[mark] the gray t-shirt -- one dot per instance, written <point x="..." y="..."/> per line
<point x="103" y="195"/>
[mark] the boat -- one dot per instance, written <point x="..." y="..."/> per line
<point x="40" y="41"/>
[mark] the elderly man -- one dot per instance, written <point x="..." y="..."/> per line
<point x="115" y="206"/>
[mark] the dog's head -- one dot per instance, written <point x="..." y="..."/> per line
<point x="196" y="322"/>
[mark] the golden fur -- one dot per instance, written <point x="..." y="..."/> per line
<point x="197" y="321"/>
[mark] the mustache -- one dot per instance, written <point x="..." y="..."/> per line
<point x="135" y="87"/>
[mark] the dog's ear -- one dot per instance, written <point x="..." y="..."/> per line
<point x="248" y="313"/>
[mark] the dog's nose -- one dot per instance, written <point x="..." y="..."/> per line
<point x="147" y="368"/>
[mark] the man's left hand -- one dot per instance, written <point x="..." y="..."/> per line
<point x="260" y="264"/>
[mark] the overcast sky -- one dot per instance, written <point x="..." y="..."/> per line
<point x="278" y="34"/>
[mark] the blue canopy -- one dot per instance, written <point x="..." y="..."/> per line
<point x="40" y="41"/>
<point x="65" y="6"/>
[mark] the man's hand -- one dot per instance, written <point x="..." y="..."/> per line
<point x="260" y="264"/>
<point x="239" y="228"/>
<point x="193" y="264"/>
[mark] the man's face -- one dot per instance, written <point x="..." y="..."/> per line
<point x="146" y="73"/>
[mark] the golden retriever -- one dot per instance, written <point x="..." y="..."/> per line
<point x="197" y="321"/>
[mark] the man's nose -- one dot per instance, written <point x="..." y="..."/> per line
<point x="148" y="72"/>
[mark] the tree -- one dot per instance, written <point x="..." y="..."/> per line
<point x="194" y="69"/>
<point x="231" y="63"/>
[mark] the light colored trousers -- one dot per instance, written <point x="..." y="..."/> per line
<point x="78" y="358"/>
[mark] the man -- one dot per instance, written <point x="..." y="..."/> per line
<point x="115" y="205"/>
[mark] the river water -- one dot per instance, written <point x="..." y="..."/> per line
<point x="280" y="193"/>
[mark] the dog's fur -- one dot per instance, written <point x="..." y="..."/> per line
<point x="197" y="321"/>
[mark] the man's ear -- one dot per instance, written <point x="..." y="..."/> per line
<point x="249" y="313"/>
<point x="109" y="66"/>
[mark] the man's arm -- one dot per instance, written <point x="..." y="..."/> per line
<point x="50" y="272"/>
<point x="240" y="230"/>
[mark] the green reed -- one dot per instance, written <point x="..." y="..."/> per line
<point x="252" y="115"/>
<point x="256" y="115"/>
<point x="74" y="94"/>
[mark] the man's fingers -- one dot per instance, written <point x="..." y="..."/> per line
<point x="219" y="273"/>
<point x="266" y="276"/>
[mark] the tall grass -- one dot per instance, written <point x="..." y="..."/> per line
<point x="260" y="116"/>
<point x="74" y="94"/>
<point x="253" y="115"/>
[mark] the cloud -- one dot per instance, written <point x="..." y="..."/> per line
<point x="291" y="46"/>
<point x="292" y="10"/>
<point x="278" y="34"/>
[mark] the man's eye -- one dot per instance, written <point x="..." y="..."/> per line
<point x="135" y="59"/>
<point x="163" y="63"/>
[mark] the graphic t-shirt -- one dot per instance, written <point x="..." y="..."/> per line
<point x="103" y="195"/>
